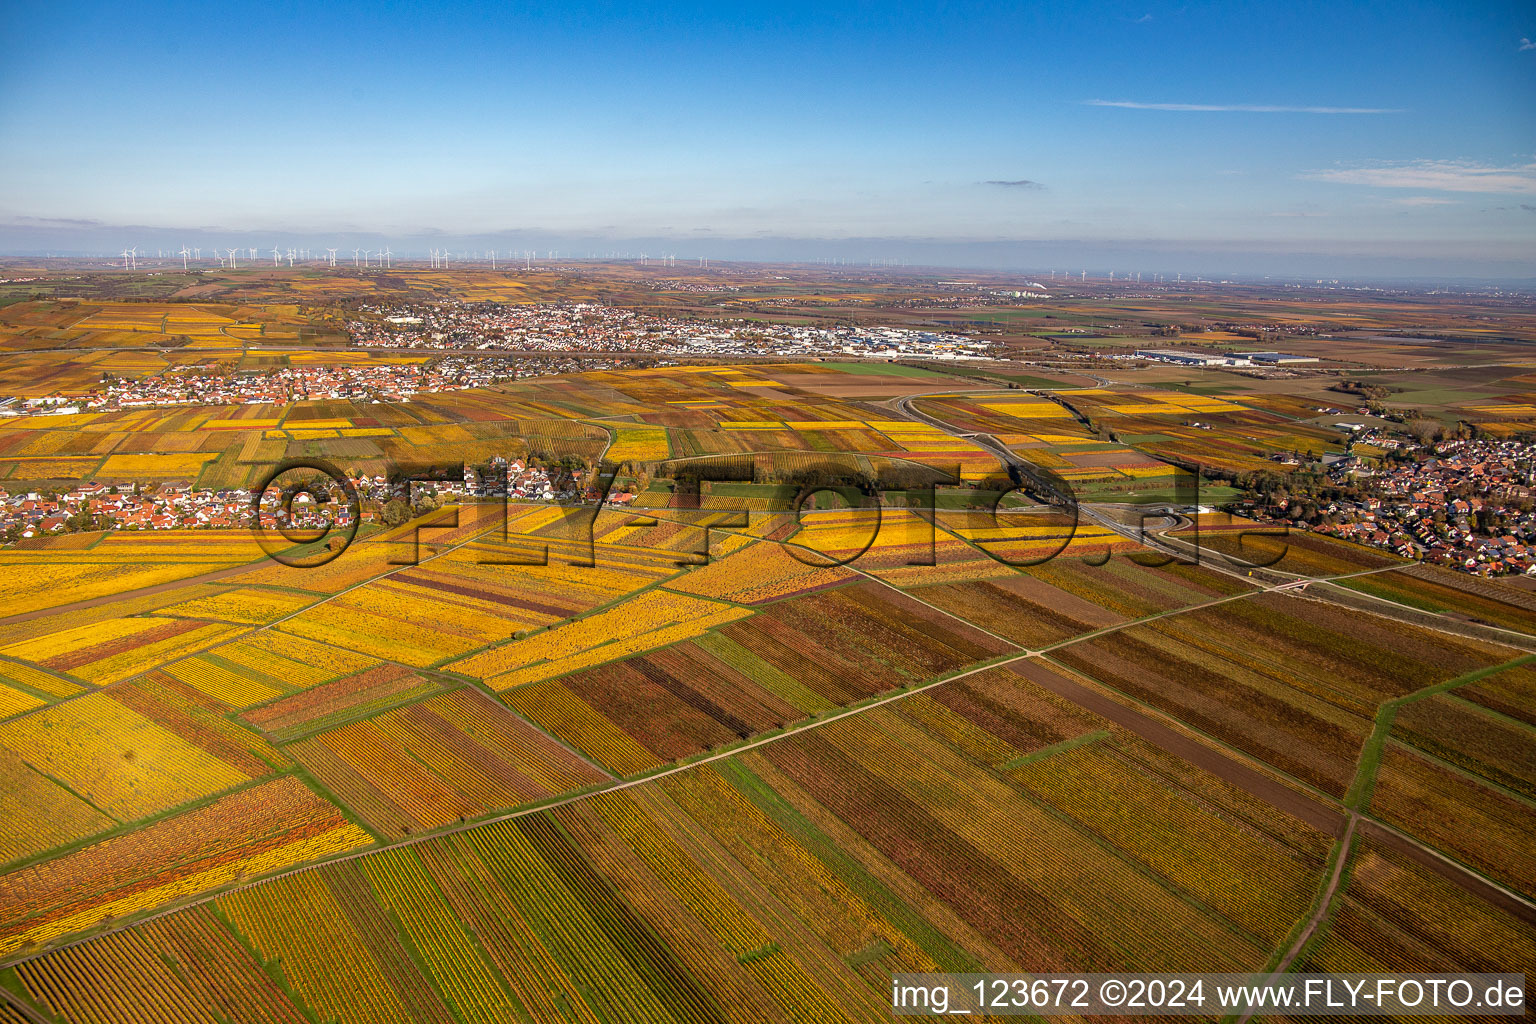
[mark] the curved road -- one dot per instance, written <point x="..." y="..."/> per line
<point x="1037" y="480"/>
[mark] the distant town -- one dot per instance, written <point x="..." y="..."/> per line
<point x="1460" y="502"/>
<point x="381" y="382"/>
<point x="590" y="327"/>
<point x="97" y="506"/>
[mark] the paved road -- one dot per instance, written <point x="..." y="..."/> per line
<point x="1323" y="815"/>
<point x="1024" y="473"/>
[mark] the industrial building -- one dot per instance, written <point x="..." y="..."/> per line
<point x="1175" y="355"/>
<point x="1279" y="358"/>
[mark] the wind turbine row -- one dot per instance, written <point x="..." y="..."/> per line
<point x="230" y="257"/>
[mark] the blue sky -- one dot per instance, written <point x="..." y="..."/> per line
<point x="1296" y="134"/>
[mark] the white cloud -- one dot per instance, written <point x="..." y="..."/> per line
<point x="1422" y="201"/>
<point x="1243" y="108"/>
<point x="1436" y="175"/>
<point x="1525" y="44"/>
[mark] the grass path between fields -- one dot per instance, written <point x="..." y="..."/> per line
<point x="719" y="754"/>
<point x="1357" y="802"/>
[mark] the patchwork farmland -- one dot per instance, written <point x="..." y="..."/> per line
<point x="798" y="684"/>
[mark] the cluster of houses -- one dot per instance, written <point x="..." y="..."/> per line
<point x="1466" y="503"/>
<point x="381" y="382"/>
<point x="172" y="506"/>
<point x="592" y="327"/>
<point x="96" y="505"/>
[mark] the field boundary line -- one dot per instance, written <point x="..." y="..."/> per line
<point x="1451" y="768"/>
<point x="1527" y="907"/>
<point x="1323" y="906"/>
<point x="814" y="722"/>
<point x="1443" y="627"/>
<point x="1361" y="788"/>
<point x="22" y="1007"/>
<point x="1357" y="798"/>
<point x="1530" y="637"/>
<point x="622" y="784"/>
<point x="616" y="785"/>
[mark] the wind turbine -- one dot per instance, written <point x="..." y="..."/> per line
<point x="233" y="263"/>
<point x="290" y="257"/>
<point x="274" y="255"/>
<point x="366" y="254"/>
<point x="493" y="259"/>
<point x="332" y="259"/>
<point x="124" y="255"/>
<point x="183" y="255"/>
<point x="387" y="255"/>
<point x="354" y="256"/>
<point x="197" y="253"/>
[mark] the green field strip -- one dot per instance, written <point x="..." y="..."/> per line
<point x="272" y="968"/>
<point x="212" y="657"/>
<point x="1358" y="796"/>
<point x="760" y="672"/>
<point x="846" y="868"/>
<point x="1406" y="600"/>
<point x="1337" y="873"/>
<point x="369" y="709"/>
<point x="1062" y="747"/>
<point x="1237" y="754"/>
<point x="45" y="695"/>
<point x="14" y="992"/>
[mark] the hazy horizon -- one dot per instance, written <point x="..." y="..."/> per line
<point x="1067" y="259"/>
<point x="1381" y="140"/>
